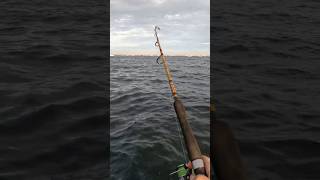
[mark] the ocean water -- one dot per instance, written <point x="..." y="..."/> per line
<point x="266" y="83"/>
<point x="144" y="136"/>
<point x="54" y="78"/>
<point x="53" y="103"/>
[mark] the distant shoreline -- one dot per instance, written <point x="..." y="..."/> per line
<point x="155" y="56"/>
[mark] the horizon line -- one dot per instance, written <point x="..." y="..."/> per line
<point x="113" y="55"/>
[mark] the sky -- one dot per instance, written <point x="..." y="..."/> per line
<point x="184" y="27"/>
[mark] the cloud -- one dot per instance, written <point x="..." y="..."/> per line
<point x="185" y="26"/>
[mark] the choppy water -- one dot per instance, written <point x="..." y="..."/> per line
<point x="144" y="139"/>
<point x="53" y="90"/>
<point x="53" y="100"/>
<point x="266" y="83"/>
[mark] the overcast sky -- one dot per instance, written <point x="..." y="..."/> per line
<point x="185" y="26"/>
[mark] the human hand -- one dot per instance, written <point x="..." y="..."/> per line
<point x="206" y="161"/>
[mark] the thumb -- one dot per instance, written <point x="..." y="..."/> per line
<point x="206" y="161"/>
<point x="198" y="177"/>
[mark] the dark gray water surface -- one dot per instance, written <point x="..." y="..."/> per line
<point x="143" y="129"/>
<point x="53" y="78"/>
<point x="266" y="83"/>
<point x="53" y="103"/>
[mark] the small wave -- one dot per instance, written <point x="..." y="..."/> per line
<point x="234" y="48"/>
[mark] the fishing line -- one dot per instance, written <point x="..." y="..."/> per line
<point x="181" y="141"/>
<point x="180" y="135"/>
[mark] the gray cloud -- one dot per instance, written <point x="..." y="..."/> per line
<point x="185" y="26"/>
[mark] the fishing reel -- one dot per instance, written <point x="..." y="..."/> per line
<point x="183" y="172"/>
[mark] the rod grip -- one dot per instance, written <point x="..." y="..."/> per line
<point x="194" y="152"/>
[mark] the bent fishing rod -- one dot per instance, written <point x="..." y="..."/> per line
<point x="191" y="143"/>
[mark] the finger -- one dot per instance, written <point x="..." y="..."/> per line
<point x="206" y="161"/>
<point x="201" y="177"/>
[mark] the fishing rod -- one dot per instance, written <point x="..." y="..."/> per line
<point x="191" y="143"/>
